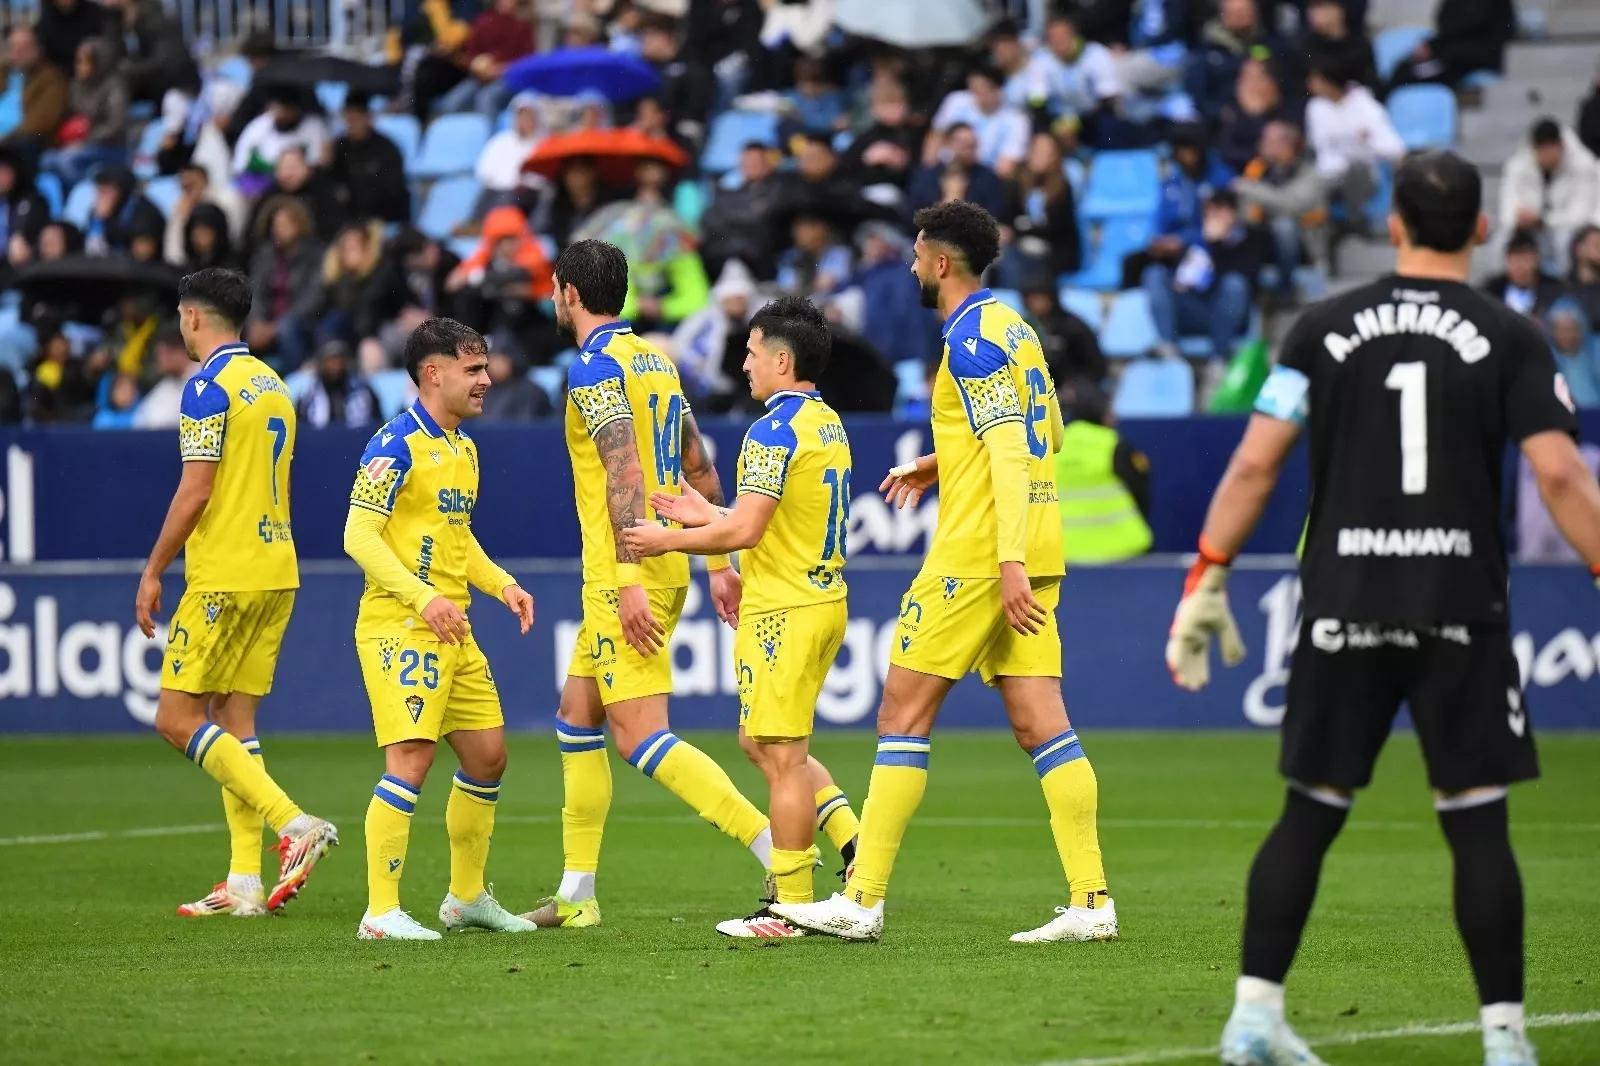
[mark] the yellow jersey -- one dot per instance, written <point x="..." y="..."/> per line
<point x="798" y="454"/>
<point x="617" y="376"/>
<point x="992" y="372"/>
<point x="235" y="412"/>
<point x="425" y="479"/>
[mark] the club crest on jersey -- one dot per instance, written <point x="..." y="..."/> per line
<point x="414" y="707"/>
<point x="378" y="466"/>
<point x="435" y="457"/>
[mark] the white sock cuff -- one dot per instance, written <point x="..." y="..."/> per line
<point x="576" y="885"/>
<point x="1503" y="1016"/>
<point x="1259" y="990"/>
<point x="1326" y="796"/>
<point x="761" y="848"/>
<point x="1478" y="797"/>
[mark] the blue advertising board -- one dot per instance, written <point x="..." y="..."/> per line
<point x="71" y="659"/>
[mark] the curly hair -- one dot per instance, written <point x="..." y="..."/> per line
<point x="967" y="228"/>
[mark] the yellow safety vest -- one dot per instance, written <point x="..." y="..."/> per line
<point x="1100" y="522"/>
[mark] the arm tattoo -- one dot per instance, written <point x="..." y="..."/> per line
<point x="624" y="481"/>
<point x="697" y="465"/>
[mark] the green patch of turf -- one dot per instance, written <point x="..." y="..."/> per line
<point x="95" y="967"/>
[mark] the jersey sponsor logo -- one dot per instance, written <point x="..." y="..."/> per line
<point x="414" y="705"/>
<point x="1405" y="543"/>
<point x="1516" y="718"/>
<point x="1416" y="319"/>
<point x="425" y="561"/>
<point x="377" y="467"/>
<point x="457" y="501"/>
<point x="199" y="386"/>
<point x="971" y="345"/>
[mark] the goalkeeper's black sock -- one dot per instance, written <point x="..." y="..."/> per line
<point x="1488" y="894"/>
<point x="1283" y="880"/>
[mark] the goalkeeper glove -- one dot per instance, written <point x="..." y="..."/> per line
<point x="1202" y="613"/>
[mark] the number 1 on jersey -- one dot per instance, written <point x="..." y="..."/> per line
<point x="667" y="432"/>
<point x="838" y="482"/>
<point x="1411" y="380"/>
<point x="280" y="436"/>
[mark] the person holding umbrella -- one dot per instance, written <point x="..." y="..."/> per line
<point x="666" y="279"/>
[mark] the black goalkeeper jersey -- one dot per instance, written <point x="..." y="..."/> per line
<point x="1411" y="388"/>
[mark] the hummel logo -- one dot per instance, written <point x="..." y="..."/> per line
<point x="971" y="344"/>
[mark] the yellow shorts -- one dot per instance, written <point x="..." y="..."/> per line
<point x="600" y="652"/>
<point x="226" y="641"/>
<point x="783" y="658"/>
<point x="950" y="627"/>
<point x="422" y="690"/>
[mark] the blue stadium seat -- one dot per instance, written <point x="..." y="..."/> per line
<point x="1129" y="327"/>
<point x="331" y="94"/>
<point x="392" y="387"/>
<point x="235" y="69"/>
<point x="11" y="104"/>
<point x="49" y="186"/>
<point x="1394" y="44"/>
<point x="144" y="154"/>
<point x="1010" y="297"/>
<point x="552" y="379"/>
<point x="1480" y="79"/>
<point x="1117" y="237"/>
<point x="450" y="145"/>
<point x="1155" y="388"/>
<point x="163" y="192"/>
<point x="1076" y="174"/>
<point x="462" y="246"/>
<point x="1122" y="183"/>
<point x="1086" y="305"/>
<point x="404" y="131"/>
<point x="449" y="203"/>
<point x="1424" y="116"/>
<point x="730" y="132"/>
<point x="911" y="377"/>
<point x="80" y="202"/>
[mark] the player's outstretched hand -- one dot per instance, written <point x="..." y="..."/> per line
<point x="689" y="509"/>
<point x="727" y="589"/>
<point x="147" y="602"/>
<point x="906" y="483"/>
<point x="521" y="604"/>
<point x="446" y="620"/>
<point x="1025" y="613"/>
<point x="1202" y="613"/>
<point x="639" y="627"/>
<point x="646" y="538"/>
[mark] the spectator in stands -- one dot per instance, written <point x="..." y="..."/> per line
<point x="194" y="191"/>
<point x="64" y="25"/>
<point x="1194" y="175"/>
<point x="127" y="349"/>
<point x="286" y="273"/>
<point x="882" y="301"/>
<point x="579" y="194"/>
<point x="496" y="289"/>
<point x="666" y="278"/>
<point x="1574" y="349"/>
<point x="511" y="396"/>
<point x="499" y="167"/>
<point x="709" y="346"/>
<point x="285" y="124"/>
<point x="1338" y="40"/>
<point x="1584" y="280"/>
<point x="206" y="242"/>
<point x="883" y="153"/>
<point x="1350" y="133"/>
<point x="116" y="398"/>
<point x="1147" y="37"/>
<point x="1469" y="36"/>
<point x="57" y="240"/>
<point x="1211" y="289"/>
<point x="159" y="407"/>
<point x="148" y="49"/>
<point x="337" y="397"/>
<point x="500" y="36"/>
<point x="120" y="213"/>
<point x="258" y="50"/>
<point x="737" y="223"/>
<point x="1071" y="349"/>
<point x="368" y="173"/>
<point x="817" y="263"/>
<point x="1282" y="191"/>
<point x="294" y="176"/>
<point x="360" y="292"/>
<point x="44" y="93"/>
<point x="23" y="212"/>
<point x="957" y="174"/>
<point x="1235" y="35"/>
<point x="1102" y="482"/>
<point x="818" y="104"/>
<point x="96" y="131"/>
<point x="1080" y="78"/>
<point x="1551" y="188"/>
<point x="687" y="89"/>
<point x="1524" y="286"/>
<point x="1589" y="118"/>
<point x="427" y="266"/>
<point x="1001" y="130"/>
<point x="1258" y="100"/>
<point x="59" y="387"/>
<point x="1039" y="231"/>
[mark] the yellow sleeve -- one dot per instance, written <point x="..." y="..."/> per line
<point x="1058" y="429"/>
<point x="363" y="542"/>
<point x="482" y="573"/>
<point x="1007" y="445"/>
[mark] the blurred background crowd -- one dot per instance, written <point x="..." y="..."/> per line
<point x="1173" y="178"/>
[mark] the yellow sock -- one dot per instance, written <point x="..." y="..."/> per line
<point x="244" y="824"/>
<point x="835" y="818"/>
<point x="691" y="775"/>
<point x="469" y="819"/>
<point x="388" y="835"/>
<point x="793" y="872"/>
<point x="899" y="777"/>
<point x="586" y="775"/>
<point x="1073" y="796"/>
<point x="235" y="769"/>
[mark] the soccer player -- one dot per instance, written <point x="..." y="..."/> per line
<point x="790" y="514"/>
<point x="630" y="434"/>
<point x="230" y="516"/>
<point x="985" y="599"/>
<point x="410" y="529"/>
<point x="1411" y="386"/>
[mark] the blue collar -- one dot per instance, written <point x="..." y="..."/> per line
<point x="977" y="299"/>
<point x="785" y="394"/>
<point x="219" y="358"/>
<point x="425" y="420"/>
<point x="596" y="341"/>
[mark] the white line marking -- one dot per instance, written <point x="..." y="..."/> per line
<point x="1144" y="1058"/>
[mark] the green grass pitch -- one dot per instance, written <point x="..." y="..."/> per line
<point x="94" y="967"/>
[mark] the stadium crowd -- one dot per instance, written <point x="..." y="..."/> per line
<point x="1163" y="170"/>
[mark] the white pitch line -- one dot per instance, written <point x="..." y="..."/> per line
<point x="1146" y="1058"/>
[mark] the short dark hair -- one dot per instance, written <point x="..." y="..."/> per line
<point x="964" y="226"/>
<point x="1546" y="131"/>
<point x="1523" y="240"/>
<point x="799" y="325"/>
<point x="599" y="271"/>
<point x="1438" y="196"/>
<point x="223" y="292"/>
<point x="443" y="337"/>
